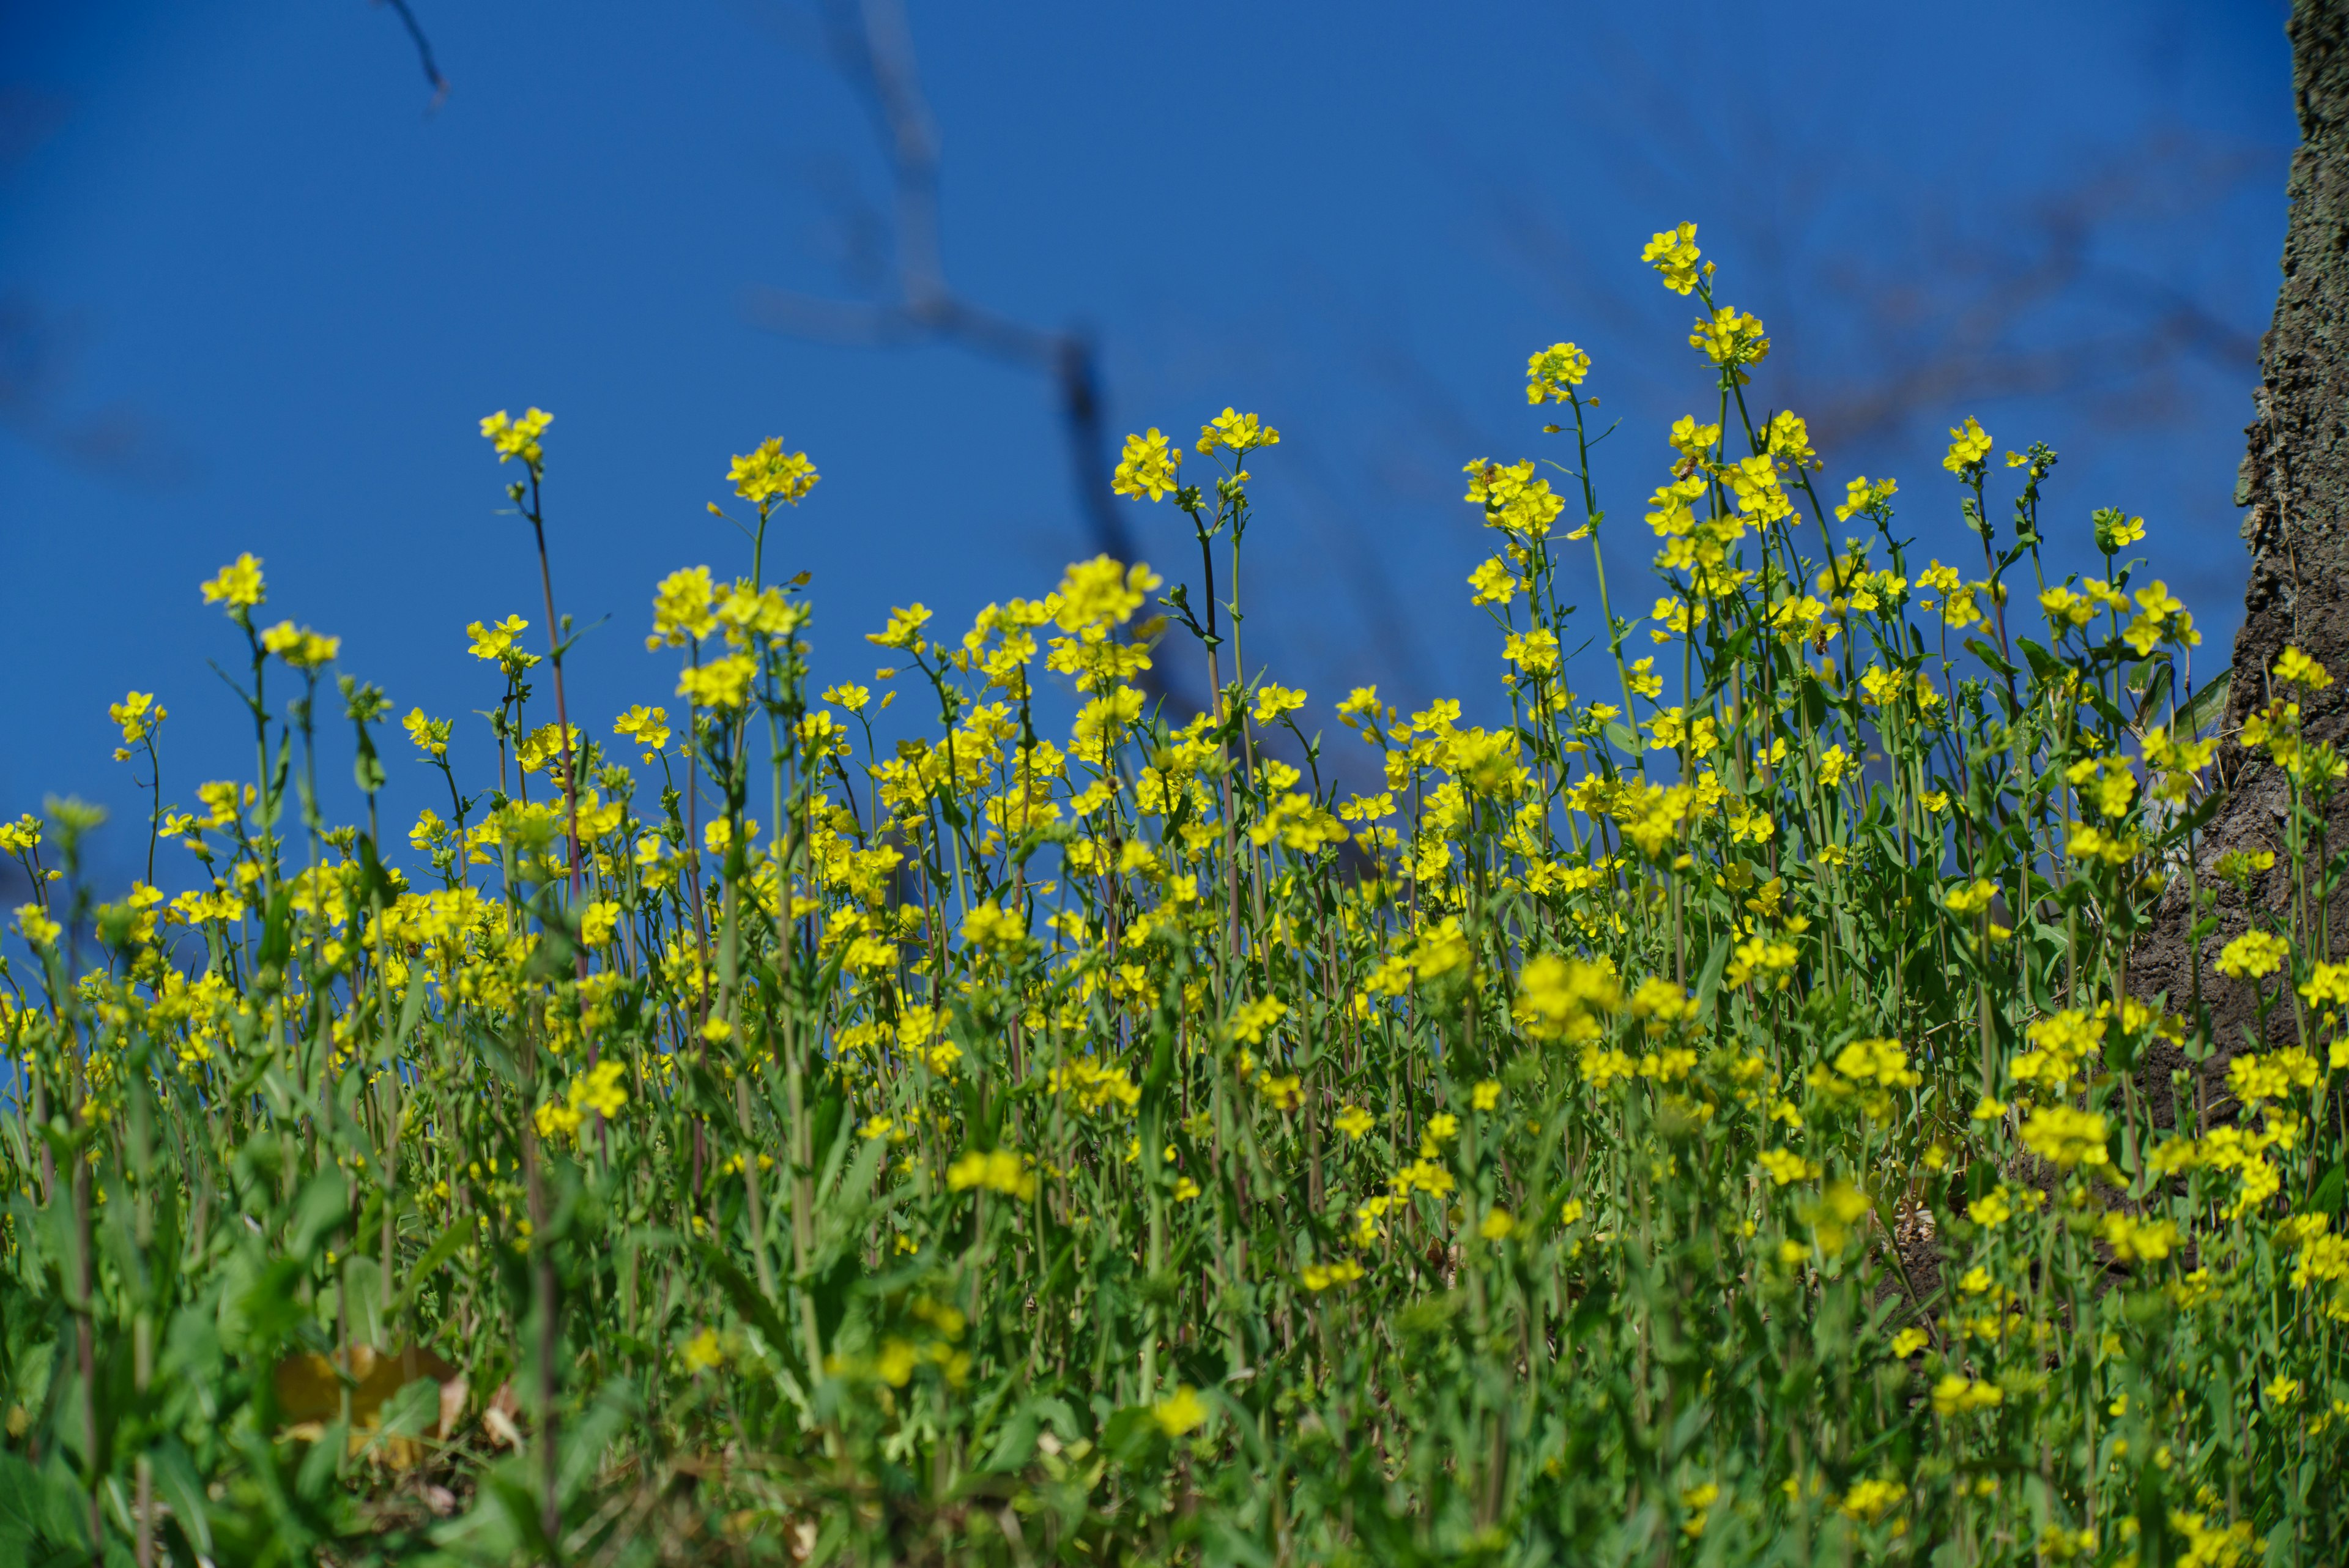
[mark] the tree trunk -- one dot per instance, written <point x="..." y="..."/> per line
<point x="2295" y="485"/>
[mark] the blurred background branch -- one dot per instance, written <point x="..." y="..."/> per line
<point x="439" y="83"/>
<point x="871" y="45"/>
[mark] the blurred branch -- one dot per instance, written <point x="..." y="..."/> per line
<point x="37" y="349"/>
<point x="423" y="52"/>
<point x="872" y="47"/>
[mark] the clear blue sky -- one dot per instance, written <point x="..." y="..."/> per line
<point x="254" y="297"/>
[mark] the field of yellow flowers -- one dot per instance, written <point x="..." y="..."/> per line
<point x="1704" y="1121"/>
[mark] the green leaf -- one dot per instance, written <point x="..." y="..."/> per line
<point x="2326" y="1199"/>
<point x="2203" y="709"/>
<point x="1708" y="980"/>
<point x="324" y="1206"/>
<point x="746" y="1296"/>
<point x="277" y="930"/>
<point x="367" y="768"/>
<point x="420" y="1272"/>
<point x="1991" y="657"/>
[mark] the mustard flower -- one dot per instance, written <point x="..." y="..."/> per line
<point x="300" y="646"/>
<point x="238" y="585"/>
<point x="702" y="1352"/>
<point x="1180" y="1412"/>
<point x="1553" y="373"/>
<point x="1319" y="1277"/>
<point x="1674" y="254"/>
<point x="2296" y="669"/>
<point x="2066" y="1136"/>
<point x="769" y="473"/>
<point x="517" y="438"/>
<point x="2252" y="955"/>
<point x="1958" y="1395"/>
<point x="1100" y="593"/>
<point x="1241" y="433"/>
<point x="683" y="608"/>
<point x="1969" y="446"/>
<point x="722" y="683"/>
<point x="1147" y="466"/>
<point x="647" y="727"/>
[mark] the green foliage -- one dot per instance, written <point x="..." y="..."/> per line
<point x="1713" y="1131"/>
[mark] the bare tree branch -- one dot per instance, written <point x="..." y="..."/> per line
<point x="38" y="349"/>
<point x="872" y="47"/>
<point x="440" y="83"/>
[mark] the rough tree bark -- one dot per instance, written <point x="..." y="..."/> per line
<point x="2294" y="482"/>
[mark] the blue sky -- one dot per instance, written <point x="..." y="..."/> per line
<point x="255" y="297"/>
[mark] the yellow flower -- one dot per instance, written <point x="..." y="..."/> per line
<point x="1318" y="1277"/>
<point x="1497" y="1225"/>
<point x="770" y="472"/>
<point x="1494" y="583"/>
<point x="2297" y="668"/>
<point x="1147" y="466"/>
<point x="1870" y="1501"/>
<point x="1287" y="1093"/>
<point x="1696" y="1500"/>
<point x="1563" y="998"/>
<point x="996" y="1170"/>
<point x="684" y="608"/>
<point x="2065" y="1137"/>
<point x="598" y="919"/>
<point x="2139" y="1240"/>
<point x="648" y="727"/>
<point x="38" y="930"/>
<point x="1785" y="1167"/>
<point x="1732" y="339"/>
<point x="896" y="1363"/>
<point x="1909" y="1341"/>
<point x="556" y="1119"/>
<point x="1272" y="702"/>
<point x="1866" y="495"/>
<point x="517" y="438"/>
<point x="1993" y="1209"/>
<point x="238" y="586"/>
<point x="2114" y="530"/>
<point x="1958" y="1395"/>
<point x="1535" y="652"/>
<point x="1674" y="256"/>
<point x="1242" y="433"/>
<point x="1253" y="1016"/>
<point x="600" y="1091"/>
<point x="2253" y="954"/>
<point x="139" y="716"/>
<point x="1354" y="1121"/>
<point x="1180" y="1411"/>
<point x="1100" y="593"/>
<point x="300" y="646"/>
<point x="991" y="927"/>
<point x="431" y="736"/>
<point x="1968" y="447"/>
<point x="1971" y="898"/>
<point x="722" y="683"/>
<point x="1553" y="373"/>
<point x="495" y="640"/>
<point x="703" y="1352"/>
